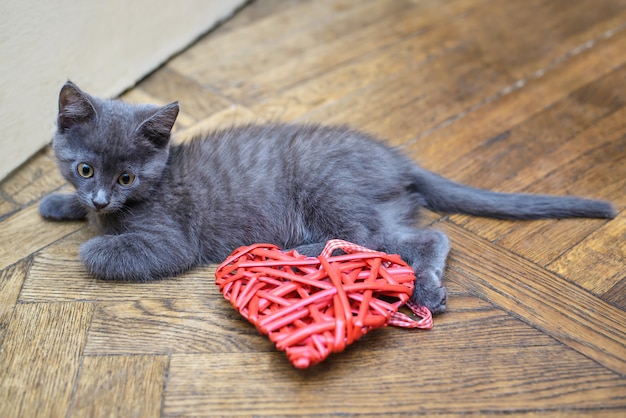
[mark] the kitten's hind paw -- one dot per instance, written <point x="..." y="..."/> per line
<point x="429" y="292"/>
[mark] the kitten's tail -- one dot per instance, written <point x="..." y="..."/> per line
<point x="443" y="195"/>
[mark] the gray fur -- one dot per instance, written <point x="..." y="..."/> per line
<point x="291" y="185"/>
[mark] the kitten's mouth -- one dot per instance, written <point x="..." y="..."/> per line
<point x="100" y="206"/>
<point x="100" y="209"/>
<point x="106" y="210"/>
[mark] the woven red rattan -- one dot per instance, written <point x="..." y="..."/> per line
<point x="311" y="307"/>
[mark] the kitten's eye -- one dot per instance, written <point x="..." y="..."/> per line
<point x="85" y="170"/>
<point x="126" y="179"/>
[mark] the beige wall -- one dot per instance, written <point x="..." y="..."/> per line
<point x="103" y="46"/>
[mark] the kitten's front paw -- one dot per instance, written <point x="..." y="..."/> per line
<point x="134" y="257"/>
<point x="61" y="207"/>
<point x="109" y="257"/>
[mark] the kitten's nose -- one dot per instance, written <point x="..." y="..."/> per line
<point x="100" y="204"/>
<point x="101" y="200"/>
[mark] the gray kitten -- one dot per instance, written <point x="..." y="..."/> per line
<point x="163" y="209"/>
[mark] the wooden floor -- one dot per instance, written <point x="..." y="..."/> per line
<point x="510" y="95"/>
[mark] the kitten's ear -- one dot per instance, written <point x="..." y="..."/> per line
<point x="74" y="107"/>
<point x="157" y="128"/>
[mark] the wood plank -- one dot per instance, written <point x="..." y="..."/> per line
<point x="599" y="173"/>
<point x="27" y="233"/>
<point x="617" y="294"/>
<point x="203" y="394"/>
<point x="400" y="372"/>
<point x="587" y="163"/>
<point x="350" y="78"/>
<point x="374" y="33"/>
<point x="11" y="280"/>
<point x="568" y="26"/>
<point x="443" y="147"/>
<point x="400" y="106"/>
<point x="40" y="357"/>
<point x="278" y="40"/>
<point x="194" y="99"/>
<point x="231" y="116"/>
<point x="603" y="253"/>
<point x="604" y="412"/>
<point x="254" y="12"/>
<point x="206" y="324"/>
<point x="296" y="66"/>
<point x="327" y="86"/>
<point x="34" y="180"/>
<point x="585" y="119"/>
<point x="444" y="31"/>
<point x="122" y="386"/>
<point x="461" y="85"/>
<point x="201" y="111"/>
<point x="7" y="205"/>
<point x="60" y="264"/>
<point x="546" y="301"/>
<point x="233" y="43"/>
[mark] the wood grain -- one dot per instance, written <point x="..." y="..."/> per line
<point x="237" y="44"/>
<point x="408" y="104"/>
<point x="617" y="294"/>
<point x="567" y="168"/>
<point x="442" y="148"/>
<point x="544" y="300"/>
<point x="231" y="116"/>
<point x="349" y="79"/>
<point x="37" y="179"/>
<point x="345" y="43"/>
<point x="603" y="253"/>
<point x="11" y="280"/>
<point x="120" y="386"/>
<point x="334" y="37"/>
<point x="40" y="357"/>
<point x="377" y="377"/>
<point x="161" y="326"/>
<point x="585" y="119"/>
<point x="27" y="232"/>
<point x="569" y="26"/>
<point x="7" y="205"/>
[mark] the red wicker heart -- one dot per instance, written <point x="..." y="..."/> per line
<point x="311" y="307"/>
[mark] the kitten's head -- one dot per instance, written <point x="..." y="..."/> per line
<point x="112" y="152"/>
